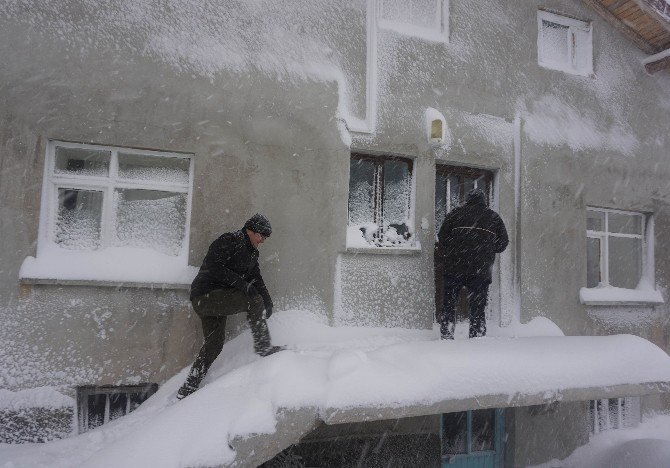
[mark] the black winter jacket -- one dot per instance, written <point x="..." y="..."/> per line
<point x="231" y="262"/>
<point x="470" y="237"/>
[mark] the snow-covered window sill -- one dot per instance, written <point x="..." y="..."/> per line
<point x="113" y="267"/>
<point x="414" y="250"/>
<point x="610" y="295"/>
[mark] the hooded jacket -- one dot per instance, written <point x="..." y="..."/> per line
<point x="231" y="262"/>
<point x="470" y="236"/>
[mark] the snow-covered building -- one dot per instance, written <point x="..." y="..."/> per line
<point x="133" y="132"/>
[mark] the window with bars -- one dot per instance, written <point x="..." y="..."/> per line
<point x="380" y="201"/>
<point x="613" y="413"/>
<point x="564" y="43"/>
<point x="615" y="253"/>
<point x="99" y="405"/>
<point x="99" y="197"/>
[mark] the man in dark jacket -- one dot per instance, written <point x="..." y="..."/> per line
<point x="470" y="237"/>
<point x="230" y="282"/>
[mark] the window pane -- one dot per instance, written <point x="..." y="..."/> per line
<point x="78" y="221"/>
<point x="454" y="429"/>
<point x="613" y="413"/>
<point x="595" y="220"/>
<point x="96" y="410"/>
<point x="150" y="219"/>
<point x="624" y="223"/>
<point x="396" y="192"/>
<point x="483" y="430"/>
<point x="625" y="261"/>
<point x="593" y="272"/>
<point x="582" y="59"/>
<point x="81" y="161"/>
<point x="136" y="399"/>
<point x="468" y="184"/>
<point x="361" y="192"/>
<point x="554" y="42"/>
<point x="161" y="169"/>
<point x="455" y="191"/>
<point x="117" y="405"/>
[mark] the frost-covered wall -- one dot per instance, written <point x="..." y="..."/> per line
<point x="261" y="93"/>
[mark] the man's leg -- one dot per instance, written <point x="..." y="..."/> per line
<point x="213" y="329"/>
<point x="447" y="319"/>
<point x="477" y="298"/>
<point x="259" y="328"/>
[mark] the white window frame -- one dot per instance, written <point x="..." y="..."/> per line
<point x="82" y="416"/>
<point x="440" y="34"/>
<point x="628" y="414"/>
<point x="573" y="25"/>
<point x="605" y="294"/>
<point x="41" y="270"/>
<point x="411" y="247"/>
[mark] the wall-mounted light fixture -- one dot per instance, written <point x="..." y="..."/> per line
<point x="436" y="126"/>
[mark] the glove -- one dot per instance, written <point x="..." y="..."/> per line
<point x="268" y="311"/>
<point x="250" y="290"/>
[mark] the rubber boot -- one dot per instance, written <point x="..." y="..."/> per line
<point x="262" y="343"/>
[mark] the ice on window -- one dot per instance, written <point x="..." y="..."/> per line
<point x="79" y="219"/>
<point x="361" y="192"/>
<point x="153" y="168"/>
<point x="81" y="161"/>
<point x="593" y="276"/>
<point x="150" y="219"/>
<point x="396" y="196"/>
<point x="555" y="46"/>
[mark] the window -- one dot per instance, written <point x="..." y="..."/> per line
<point x="105" y="204"/>
<point x="613" y="413"/>
<point x="614" y="248"/>
<point x="564" y="44"/>
<point x="473" y="438"/>
<point x="427" y="19"/>
<point x="380" y="202"/>
<point x="99" y="405"/>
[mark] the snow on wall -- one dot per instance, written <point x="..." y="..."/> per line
<point x="41" y="397"/>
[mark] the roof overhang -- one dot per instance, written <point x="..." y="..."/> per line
<point x="644" y="22"/>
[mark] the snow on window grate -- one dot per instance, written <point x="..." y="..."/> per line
<point x="380" y="202"/>
<point x="99" y="405"/>
<point x="613" y="413"/>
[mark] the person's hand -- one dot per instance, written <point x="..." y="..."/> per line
<point x="250" y="290"/>
<point x="268" y="311"/>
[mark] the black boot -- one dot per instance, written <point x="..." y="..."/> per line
<point x="262" y="343"/>
<point x="191" y="385"/>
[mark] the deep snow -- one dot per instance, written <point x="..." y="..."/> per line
<point x="344" y="367"/>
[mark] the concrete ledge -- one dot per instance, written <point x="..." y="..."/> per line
<point x="383" y="250"/>
<point x="360" y="414"/>
<point x="292" y="425"/>
<point x="104" y="284"/>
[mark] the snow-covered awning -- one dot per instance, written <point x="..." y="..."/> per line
<point x="250" y="408"/>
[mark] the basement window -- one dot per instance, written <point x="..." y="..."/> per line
<point x="564" y="44"/>
<point x="99" y="405"/>
<point x="108" y="212"/>
<point x="614" y="413"/>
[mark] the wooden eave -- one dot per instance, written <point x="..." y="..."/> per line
<point x="644" y="22"/>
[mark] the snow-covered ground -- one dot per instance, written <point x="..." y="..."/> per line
<point x="337" y="368"/>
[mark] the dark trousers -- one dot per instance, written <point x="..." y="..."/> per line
<point x="478" y="291"/>
<point x="213" y="309"/>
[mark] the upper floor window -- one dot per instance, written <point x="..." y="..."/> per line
<point x="564" y="43"/>
<point x="103" y="204"/>
<point x="380" y="202"/>
<point x="427" y="19"/>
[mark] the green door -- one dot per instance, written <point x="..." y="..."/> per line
<point x="473" y="439"/>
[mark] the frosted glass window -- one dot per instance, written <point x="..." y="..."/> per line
<point x="380" y="198"/>
<point x="615" y="248"/>
<point x="150" y="219"/>
<point x="102" y="197"/>
<point x="154" y="168"/>
<point x="81" y="161"/>
<point x="564" y="44"/>
<point x="79" y="219"/>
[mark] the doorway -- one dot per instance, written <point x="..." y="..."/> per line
<point x="452" y="183"/>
